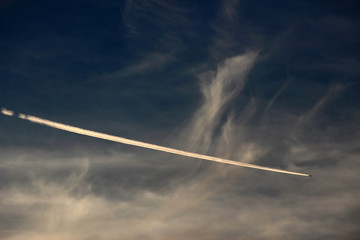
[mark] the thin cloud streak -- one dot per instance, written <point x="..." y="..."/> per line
<point x="108" y="137"/>
<point x="333" y="91"/>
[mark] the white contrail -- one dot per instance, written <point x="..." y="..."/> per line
<point x="7" y="112"/>
<point x="108" y="137"/>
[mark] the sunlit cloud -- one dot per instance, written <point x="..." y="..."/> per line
<point x="218" y="90"/>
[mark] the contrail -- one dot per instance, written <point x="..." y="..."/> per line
<point x="7" y="112"/>
<point x="108" y="137"/>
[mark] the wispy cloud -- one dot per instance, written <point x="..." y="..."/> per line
<point x="148" y="62"/>
<point x="309" y="115"/>
<point x="69" y="202"/>
<point x="231" y="32"/>
<point x="80" y="192"/>
<point x="230" y="9"/>
<point x="218" y="90"/>
<point x="161" y="14"/>
<point x="79" y="197"/>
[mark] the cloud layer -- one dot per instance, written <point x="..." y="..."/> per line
<point x="79" y="197"/>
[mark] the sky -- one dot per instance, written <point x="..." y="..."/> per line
<point x="272" y="83"/>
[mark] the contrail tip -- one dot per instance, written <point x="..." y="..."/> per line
<point x="7" y="112"/>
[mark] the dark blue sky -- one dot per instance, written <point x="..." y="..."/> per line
<point x="271" y="83"/>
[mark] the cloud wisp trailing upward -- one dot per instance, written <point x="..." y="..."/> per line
<point x="223" y="86"/>
<point x="108" y="137"/>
